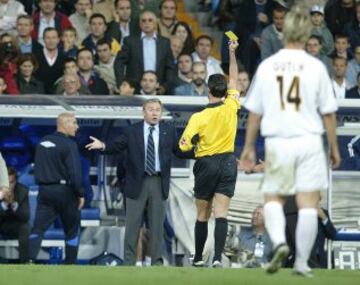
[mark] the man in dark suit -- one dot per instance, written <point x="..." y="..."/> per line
<point x="15" y="213"/>
<point x="147" y="51"/>
<point x="123" y="25"/>
<point x="149" y="145"/>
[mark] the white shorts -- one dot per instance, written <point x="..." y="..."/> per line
<point x="294" y="165"/>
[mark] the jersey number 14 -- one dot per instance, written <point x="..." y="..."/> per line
<point x="293" y="96"/>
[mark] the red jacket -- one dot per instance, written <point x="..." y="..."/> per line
<point x="8" y="74"/>
<point x="61" y="22"/>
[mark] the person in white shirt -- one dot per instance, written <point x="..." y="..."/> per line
<point x="203" y="46"/>
<point x="291" y="97"/>
<point x="9" y="11"/>
<point x="339" y="82"/>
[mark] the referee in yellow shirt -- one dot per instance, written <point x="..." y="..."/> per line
<point x="213" y="132"/>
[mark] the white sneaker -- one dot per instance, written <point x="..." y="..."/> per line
<point x="217" y="264"/>
<point x="199" y="263"/>
<point x="279" y="254"/>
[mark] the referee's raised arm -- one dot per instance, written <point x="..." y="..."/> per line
<point x="233" y="67"/>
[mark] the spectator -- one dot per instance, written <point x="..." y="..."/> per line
<point x="149" y="145"/>
<point x="271" y="36"/>
<point x="251" y="18"/>
<point x="319" y="29"/>
<point x="71" y="84"/>
<point x="167" y="19"/>
<point x="353" y="29"/>
<point x="50" y="60"/>
<point x="9" y="11"/>
<point x="80" y="19"/>
<point x="15" y="214"/>
<point x="123" y="25"/>
<point x="338" y="13"/>
<point x="255" y="240"/>
<point x="68" y="42"/>
<point x="8" y="55"/>
<point x="353" y="67"/>
<point x="58" y="173"/>
<point x="106" y="8"/>
<point x="243" y="82"/>
<point x="148" y="51"/>
<point x="87" y="74"/>
<point x="149" y="83"/>
<point x="24" y="26"/>
<point x="7" y="38"/>
<point x="97" y="32"/>
<point x="48" y="17"/>
<point x="127" y="87"/>
<point x="105" y="67"/>
<point x="26" y="82"/>
<point x="354" y="93"/>
<point x="203" y="46"/>
<point x="184" y="67"/>
<point x="198" y="86"/>
<point x="342" y="47"/>
<point x="3" y="87"/>
<point x="339" y="82"/>
<point x="183" y="31"/>
<point x="313" y="47"/>
<point x="176" y="46"/>
<point x="70" y="67"/>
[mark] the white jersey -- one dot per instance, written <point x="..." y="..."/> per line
<point x="291" y="90"/>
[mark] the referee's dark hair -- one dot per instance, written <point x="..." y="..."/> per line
<point x="217" y="85"/>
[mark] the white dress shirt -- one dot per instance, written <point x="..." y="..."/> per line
<point x="340" y="90"/>
<point x="149" y="52"/>
<point x="43" y="24"/>
<point x="155" y="135"/>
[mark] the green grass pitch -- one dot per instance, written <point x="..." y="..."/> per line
<point x="89" y="275"/>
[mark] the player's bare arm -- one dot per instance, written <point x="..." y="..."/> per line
<point x="233" y="67"/>
<point x="330" y="126"/>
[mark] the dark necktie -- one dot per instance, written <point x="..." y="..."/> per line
<point x="150" y="154"/>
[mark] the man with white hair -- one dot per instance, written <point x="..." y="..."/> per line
<point x="291" y="96"/>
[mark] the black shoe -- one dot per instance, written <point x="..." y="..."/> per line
<point x="279" y="254"/>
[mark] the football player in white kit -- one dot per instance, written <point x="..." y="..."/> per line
<point x="292" y="100"/>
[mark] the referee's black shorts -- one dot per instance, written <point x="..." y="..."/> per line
<point x="215" y="174"/>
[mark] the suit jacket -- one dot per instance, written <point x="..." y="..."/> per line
<point x="132" y="140"/>
<point x="352" y="93"/>
<point x="22" y="213"/>
<point x="113" y="30"/>
<point x="129" y="62"/>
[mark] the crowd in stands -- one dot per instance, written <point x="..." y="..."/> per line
<point x="142" y="44"/>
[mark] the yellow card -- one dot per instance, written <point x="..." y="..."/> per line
<point x="231" y="36"/>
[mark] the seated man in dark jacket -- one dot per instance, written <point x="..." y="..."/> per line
<point x="326" y="229"/>
<point x="14" y="214"/>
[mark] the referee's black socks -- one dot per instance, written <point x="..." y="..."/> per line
<point x="201" y="232"/>
<point x="221" y="226"/>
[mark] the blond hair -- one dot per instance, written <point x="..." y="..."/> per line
<point x="297" y="25"/>
<point x="63" y="119"/>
